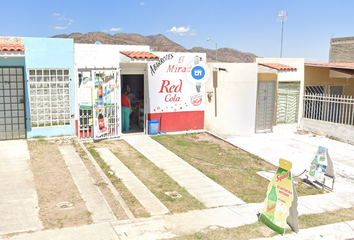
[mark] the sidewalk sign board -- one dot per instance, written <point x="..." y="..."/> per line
<point x="280" y="205"/>
<point x="321" y="166"/>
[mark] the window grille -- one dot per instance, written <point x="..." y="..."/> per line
<point x="49" y="92"/>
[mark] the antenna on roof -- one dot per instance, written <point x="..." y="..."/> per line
<point x="282" y="17"/>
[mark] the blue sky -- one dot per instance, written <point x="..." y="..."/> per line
<point x="248" y="26"/>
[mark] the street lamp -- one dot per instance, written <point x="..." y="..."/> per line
<point x="216" y="49"/>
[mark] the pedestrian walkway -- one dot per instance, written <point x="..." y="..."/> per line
<point x="95" y="202"/>
<point x="98" y="231"/>
<point x="148" y="200"/>
<point x="343" y="230"/>
<point x="18" y="197"/>
<point x="196" y="183"/>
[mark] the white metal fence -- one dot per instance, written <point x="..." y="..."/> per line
<point x="329" y="108"/>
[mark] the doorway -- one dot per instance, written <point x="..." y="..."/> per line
<point x="12" y="103"/>
<point x="134" y="84"/>
<point x="265" y="106"/>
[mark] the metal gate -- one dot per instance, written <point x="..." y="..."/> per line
<point x="100" y="103"/>
<point x="265" y="106"/>
<point x="12" y="103"/>
<point x="288" y="102"/>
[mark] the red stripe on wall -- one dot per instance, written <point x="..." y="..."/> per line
<point x="179" y="121"/>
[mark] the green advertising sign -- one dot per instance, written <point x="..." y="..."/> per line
<point x="280" y="205"/>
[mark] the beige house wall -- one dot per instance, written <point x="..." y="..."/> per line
<point x="267" y="77"/>
<point x="297" y="75"/>
<point x="319" y="76"/>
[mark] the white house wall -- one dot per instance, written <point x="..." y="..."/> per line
<point x="102" y="55"/>
<point x="236" y="100"/>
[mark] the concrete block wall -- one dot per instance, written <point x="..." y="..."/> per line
<point x="341" y="50"/>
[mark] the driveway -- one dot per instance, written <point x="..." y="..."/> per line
<point x="299" y="149"/>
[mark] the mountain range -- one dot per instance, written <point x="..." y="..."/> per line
<point x="159" y="43"/>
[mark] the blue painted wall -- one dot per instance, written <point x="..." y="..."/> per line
<point x="45" y="53"/>
<point x="12" y="62"/>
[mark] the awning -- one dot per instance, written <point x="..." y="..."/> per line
<point x="337" y="70"/>
<point x="140" y="56"/>
<point x="332" y="65"/>
<point x="12" y="47"/>
<point x="274" y="67"/>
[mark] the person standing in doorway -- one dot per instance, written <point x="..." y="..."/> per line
<point x="126" y="110"/>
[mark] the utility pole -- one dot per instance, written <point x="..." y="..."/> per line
<point x="282" y="17"/>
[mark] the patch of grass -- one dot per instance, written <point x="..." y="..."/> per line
<point x="231" y="167"/>
<point x="155" y="178"/>
<point x="258" y="230"/>
<point x="315" y="220"/>
<point x="39" y="136"/>
<point x="133" y="204"/>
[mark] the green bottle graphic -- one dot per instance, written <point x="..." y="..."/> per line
<point x="272" y="202"/>
<point x="313" y="167"/>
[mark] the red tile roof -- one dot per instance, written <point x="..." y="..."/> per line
<point x="334" y="65"/>
<point x="139" y="55"/>
<point x="278" y="66"/>
<point x="12" y="47"/>
<point x="12" y="44"/>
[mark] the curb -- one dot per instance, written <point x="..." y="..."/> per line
<point x="108" y="182"/>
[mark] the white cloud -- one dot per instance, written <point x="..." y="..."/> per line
<point x="62" y="21"/>
<point x="112" y="30"/>
<point x="182" y="31"/>
<point x="142" y="4"/>
<point x="59" y="28"/>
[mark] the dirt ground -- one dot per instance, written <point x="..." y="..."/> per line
<point x="55" y="185"/>
<point x="56" y="188"/>
<point x="112" y="201"/>
<point x="152" y="177"/>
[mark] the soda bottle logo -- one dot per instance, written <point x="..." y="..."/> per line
<point x="100" y="120"/>
<point x="100" y="91"/>
<point x="271" y="203"/>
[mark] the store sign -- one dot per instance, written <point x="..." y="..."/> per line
<point x="320" y="165"/>
<point x="280" y="205"/>
<point x="176" y="83"/>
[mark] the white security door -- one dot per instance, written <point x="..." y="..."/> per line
<point x="100" y="104"/>
<point x="265" y="106"/>
<point x="12" y="103"/>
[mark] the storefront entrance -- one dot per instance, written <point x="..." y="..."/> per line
<point x="99" y="100"/>
<point x="134" y="84"/>
<point x="12" y="103"/>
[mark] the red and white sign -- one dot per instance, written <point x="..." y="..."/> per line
<point x="169" y="87"/>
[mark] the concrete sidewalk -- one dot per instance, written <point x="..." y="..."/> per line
<point x="196" y="183"/>
<point x="18" y="197"/>
<point x="167" y="226"/>
<point x="148" y="200"/>
<point x="94" y="200"/>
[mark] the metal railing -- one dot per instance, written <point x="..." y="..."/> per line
<point x="329" y="108"/>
